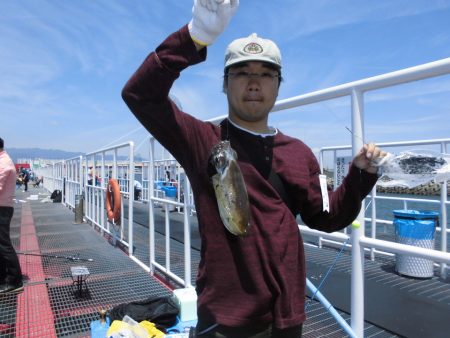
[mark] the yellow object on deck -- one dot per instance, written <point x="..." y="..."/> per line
<point x="130" y="328"/>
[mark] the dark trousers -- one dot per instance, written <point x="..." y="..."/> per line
<point x="137" y="194"/>
<point x="25" y="183"/>
<point x="10" y="271"/>
<point x="251" y="331"/>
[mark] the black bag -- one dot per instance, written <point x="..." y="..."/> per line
<point x="56" y="196"/>
<point x="162" y="311"/>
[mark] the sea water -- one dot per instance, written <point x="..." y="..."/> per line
<point x="384" y="207"/>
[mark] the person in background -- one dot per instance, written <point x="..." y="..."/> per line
<point x="252" y="286"/>
<point x="32" y="175"/>
<point x="19" y="180"/>
<point x="137" y="190"/>
<point x="38" y="181"/>
<point x="90" y="176"/>
<point x="10" y="272"/>
<point x="25" y="178"/>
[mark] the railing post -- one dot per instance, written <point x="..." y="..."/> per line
<point x="103" y="184"/>
<point x="131" y="199"/>
<point x="374" y="220"/>
<point x="63" y="172"/>
<point x="187" y="236"/>
<point x="151" y="193"/>
<point x="357" y="283"/>
<point x="443" y="271"/>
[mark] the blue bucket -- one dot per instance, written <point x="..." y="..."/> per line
<point x="416" y="228"/>
<point x="170" y="191"/>
<point x="415" y="223"/>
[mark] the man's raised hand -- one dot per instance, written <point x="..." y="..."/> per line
<point x="210" y="18"/>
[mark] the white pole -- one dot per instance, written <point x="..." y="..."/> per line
<point x="187" y="234"/>
<point x="131" y="200"/>
<point x="151" y="192"/>
<point x="443" y="271"/>
<point x="357" y="283"/>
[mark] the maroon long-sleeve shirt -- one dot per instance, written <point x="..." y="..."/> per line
<point x="259" y="278"/>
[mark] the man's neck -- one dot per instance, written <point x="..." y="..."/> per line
<point x="255" y="127"/>
<point x="269" y="130"/>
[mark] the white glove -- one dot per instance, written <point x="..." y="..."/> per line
<point x="209" y="19"/>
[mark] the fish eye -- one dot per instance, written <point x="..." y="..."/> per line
<point x="220" y="161"/>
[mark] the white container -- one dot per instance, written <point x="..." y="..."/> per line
<point x="186" y="300"/>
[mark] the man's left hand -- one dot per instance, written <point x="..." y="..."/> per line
<point x="367" y="158"/>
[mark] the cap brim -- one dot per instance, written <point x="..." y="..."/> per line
<point x="251" y="58"/>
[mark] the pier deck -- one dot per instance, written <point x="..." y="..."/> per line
<point x="49" y="305"/>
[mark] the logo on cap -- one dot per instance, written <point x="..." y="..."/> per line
<point x="253" y="48"/>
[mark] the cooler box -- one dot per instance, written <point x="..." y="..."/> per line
<point x="186" y="300"/>
<point x="416" y="228"/>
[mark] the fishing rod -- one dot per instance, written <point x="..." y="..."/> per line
<point x="70" y="258"/>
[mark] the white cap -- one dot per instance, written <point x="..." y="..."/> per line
<point x="252" y="48"/>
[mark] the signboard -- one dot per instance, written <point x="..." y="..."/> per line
<point x="341" y="169"/>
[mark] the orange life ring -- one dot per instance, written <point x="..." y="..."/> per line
<point x="112" y="202"/>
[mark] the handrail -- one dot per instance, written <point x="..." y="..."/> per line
<point x="424" y="71"/>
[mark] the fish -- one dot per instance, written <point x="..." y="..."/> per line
<point x="230" y="190"/>
<point x="412" y="168"/>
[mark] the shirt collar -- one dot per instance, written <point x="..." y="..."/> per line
<point x="273" y="131"/>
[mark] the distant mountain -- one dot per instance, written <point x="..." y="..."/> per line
<point x="51" y="154"/>
<point x="32" y="153"/>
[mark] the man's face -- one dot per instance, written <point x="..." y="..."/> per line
<point x="251" y="89"/>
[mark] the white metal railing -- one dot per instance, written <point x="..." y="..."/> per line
<point x="154" y="176"/>
<point x="53" y="175"/>
<point x="89" y="175"/>
<point x="439" y="144"/>
<point x="46" y="172"/>
<point x="73" y="180"/>
<point x="96" y="174"/>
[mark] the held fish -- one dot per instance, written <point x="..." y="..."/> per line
<point x="412" y="168"/>
<point x="229" y="186"/>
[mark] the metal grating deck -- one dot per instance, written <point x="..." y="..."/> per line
<point x="48" y="306"/>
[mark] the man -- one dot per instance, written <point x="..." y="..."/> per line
<point x="10" y="272"/>
<point x="137" y="190"/>
<point x="252" y="286"/>
<point x="90" y="176"/>
<point x="26" y="179"/>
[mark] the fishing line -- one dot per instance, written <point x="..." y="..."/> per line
<point x="332" y="265"/>
<point x="367" y="206"/>
<point x="328" y="272"/>
<point x="351" y="132"/>
<point x="123" y="136"/>
<point x="139" y="145"/>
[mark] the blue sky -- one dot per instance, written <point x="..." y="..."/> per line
<point x="63" y="65"/>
